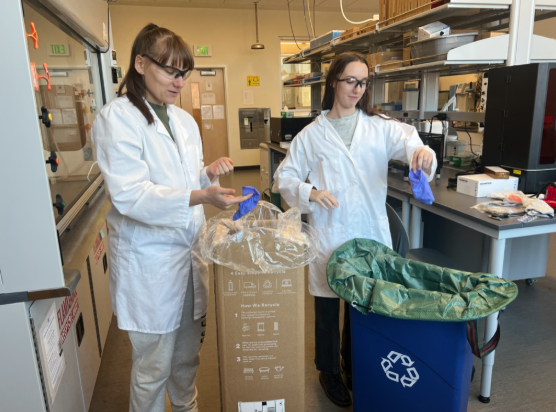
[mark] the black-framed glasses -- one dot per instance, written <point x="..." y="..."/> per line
<point x="352" y="81"/>
<point x="169" y="72"/>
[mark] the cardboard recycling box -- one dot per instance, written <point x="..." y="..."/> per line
<point x="375" y="59"/>
<point x="261" y="347"/>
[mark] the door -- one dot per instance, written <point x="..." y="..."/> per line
<point x="203" y="97"/>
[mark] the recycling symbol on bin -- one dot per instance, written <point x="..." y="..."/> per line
<point x="409" y="378"/>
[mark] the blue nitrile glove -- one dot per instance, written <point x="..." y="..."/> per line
<point x="420" y="187"/>
<point x="247" y="205"/>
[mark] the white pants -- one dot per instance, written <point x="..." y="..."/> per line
<point x="167" y="362"/>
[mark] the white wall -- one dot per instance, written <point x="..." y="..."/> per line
<point x="231" y="34"/>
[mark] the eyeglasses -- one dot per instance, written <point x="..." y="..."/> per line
<point x="169" y="72"/>
<point x="352" y="81"/>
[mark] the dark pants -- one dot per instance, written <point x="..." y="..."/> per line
<point x="327" y="336"/>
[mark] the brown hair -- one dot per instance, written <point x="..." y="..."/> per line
<point x="162" y="45"/>
<point x="335" y="71"/>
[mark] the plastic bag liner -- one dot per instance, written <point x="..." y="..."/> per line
<point x="264" y="240"/>
<point x="374" y="278"/>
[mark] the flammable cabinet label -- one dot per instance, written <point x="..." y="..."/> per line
<point x="260" y="322"/>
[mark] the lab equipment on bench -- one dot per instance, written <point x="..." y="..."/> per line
<point x="481" y="185"/>
<point x="285" y="129"/>
<point x="520" y="123"/>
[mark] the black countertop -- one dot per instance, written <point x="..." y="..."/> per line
<point x="460" y="204"/>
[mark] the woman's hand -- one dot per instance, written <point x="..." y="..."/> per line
<point x="324" y="198"/>
<point x="217" y="196"/>
<point x="221" y="166"/>
<point x="422" y="159"/>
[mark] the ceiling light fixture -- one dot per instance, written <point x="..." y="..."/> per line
<point x="257" y="45"/>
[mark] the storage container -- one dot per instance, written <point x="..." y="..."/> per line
<point x="381" y="57"/>
<point x="325" y="38"/>
<point x="436" y="48"/>
<point x="389" y="65"/>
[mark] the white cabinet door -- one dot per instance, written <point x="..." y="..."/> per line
<point x="98" y="261"/>
<point x="88" y="353"/>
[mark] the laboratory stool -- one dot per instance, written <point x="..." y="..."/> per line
<point x="400" y="243"/>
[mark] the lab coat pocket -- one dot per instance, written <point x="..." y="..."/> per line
<point x="150" y="252"/>
<point x="330" y="238"/>
<point x="330" y="176"/>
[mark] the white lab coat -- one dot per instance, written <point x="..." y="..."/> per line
<point x="154" y="232"/>
<point x="357" y="178"/>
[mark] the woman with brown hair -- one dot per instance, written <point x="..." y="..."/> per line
<point x="150" y="154"/>
<point x="336" y="172"/>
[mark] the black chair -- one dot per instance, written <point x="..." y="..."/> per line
<point x="400" y="243"/>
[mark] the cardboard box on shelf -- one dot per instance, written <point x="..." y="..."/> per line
<point x="392" y="11"/>
<point x="489" y="34"/>
<point x="260" y="327"/>
<point x="389" y="65"/>
<point x="382" y="57"/>
<point x="409" y="37"/>
<point x="349" y="33"/>
<point x="370" y="26"/>
<point x="407" y="56"/>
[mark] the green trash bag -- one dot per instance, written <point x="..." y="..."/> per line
<point x="374" y="278"/>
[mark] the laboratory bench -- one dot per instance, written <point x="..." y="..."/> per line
<point x="469" y="226"/>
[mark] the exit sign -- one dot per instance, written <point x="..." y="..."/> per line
<point x="58" y="50"/>
<point x="202" y="51"/>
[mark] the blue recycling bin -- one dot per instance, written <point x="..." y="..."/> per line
<point x="409" y="365"/>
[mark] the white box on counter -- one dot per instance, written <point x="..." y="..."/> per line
<point x="483" y="185"/>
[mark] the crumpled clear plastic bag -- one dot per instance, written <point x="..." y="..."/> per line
<point x="509" y="197"/>
<point x="264" y="240"/>
<point x="514" y="203"/>
<point x="498" y="208"/>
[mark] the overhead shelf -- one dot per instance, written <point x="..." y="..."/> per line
<point x="306" y="83"/>
<point x="444" y="67"/>
<point x="458" y="14"/>
<point x="473" y="57"/>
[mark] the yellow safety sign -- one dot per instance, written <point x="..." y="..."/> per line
<point x="253" y="81"/>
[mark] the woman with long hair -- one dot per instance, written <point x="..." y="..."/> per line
<point x="336" y="172"/>
<point x="150" y="154"/>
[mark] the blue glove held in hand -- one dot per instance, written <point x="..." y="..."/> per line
<point x="247" y="205"/>
<point x="420" y="187"/>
